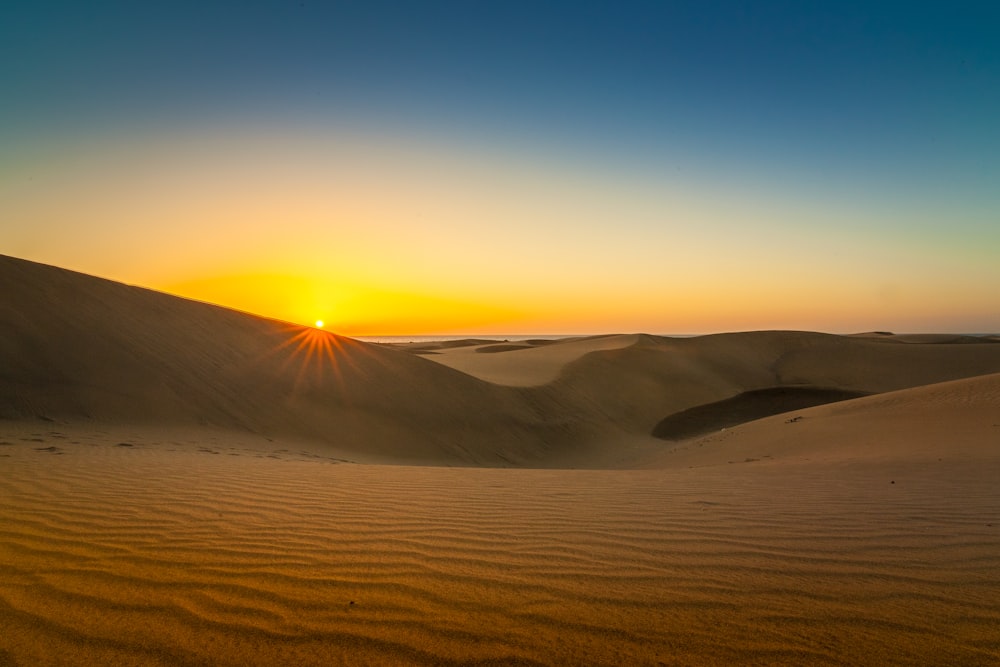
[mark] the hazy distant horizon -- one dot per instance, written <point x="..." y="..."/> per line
<point x="431" y="338"/>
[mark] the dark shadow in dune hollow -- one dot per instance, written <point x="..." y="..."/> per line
<point x="745" y="407"/>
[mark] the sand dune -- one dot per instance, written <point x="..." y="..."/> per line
<point x="957" y="421"/>
<point x="77" y="347"/>
<point x="533" y="365"/>
<point x="628" y="391"/>
<point x="81" y="348"/>
<point x="185" y="485"/>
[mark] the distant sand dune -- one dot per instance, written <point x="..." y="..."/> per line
<point x="636" y="387"/>
<point x="525" y="365"/>
<point x="502" y="348"/>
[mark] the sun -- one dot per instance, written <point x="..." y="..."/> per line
<point x="319" y="324"/>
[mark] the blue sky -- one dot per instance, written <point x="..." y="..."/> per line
<point x="879" y="119"/>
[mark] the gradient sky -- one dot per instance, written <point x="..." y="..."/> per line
<point x="516" y="167"/>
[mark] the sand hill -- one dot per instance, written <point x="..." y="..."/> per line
<point x="77" y="347"/>
<point x="185" y="485"/>
<point x="615" y="391"/>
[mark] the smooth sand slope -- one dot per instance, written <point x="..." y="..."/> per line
<point x="185" y="485"/>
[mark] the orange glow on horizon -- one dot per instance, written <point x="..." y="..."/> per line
<point x="360" y="309"/>
<point x="586" y="308"/>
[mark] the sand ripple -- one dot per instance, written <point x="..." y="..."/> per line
<point x="113" y="555"/>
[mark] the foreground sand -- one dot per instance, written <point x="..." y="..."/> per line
<point x="120" y="546"/>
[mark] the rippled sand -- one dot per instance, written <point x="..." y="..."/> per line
<point x="127" y="548"/>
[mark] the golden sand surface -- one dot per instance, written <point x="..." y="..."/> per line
<point x="125" y="549"/>
<point x="182" y="484"/>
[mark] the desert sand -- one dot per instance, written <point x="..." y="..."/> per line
<point x="181" y="484"/>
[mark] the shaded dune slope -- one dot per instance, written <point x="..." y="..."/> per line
<point x="78" y="347"/>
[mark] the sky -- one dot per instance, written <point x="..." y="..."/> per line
<point x="514" y="167"/>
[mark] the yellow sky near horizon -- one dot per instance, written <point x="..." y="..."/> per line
<point x="379" y="235"/>
<point x="508" y="168"/>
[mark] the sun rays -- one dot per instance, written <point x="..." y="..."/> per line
<point x="316" y="353"/>
<point x="335" y="370"/>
